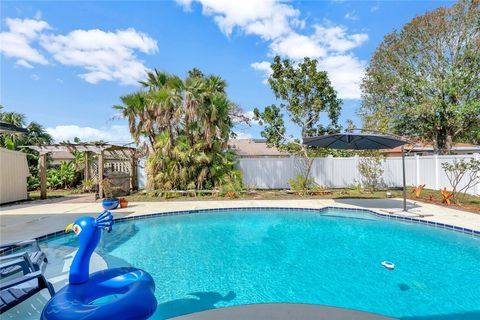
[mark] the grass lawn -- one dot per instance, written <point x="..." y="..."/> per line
<point x="35" y="195"/>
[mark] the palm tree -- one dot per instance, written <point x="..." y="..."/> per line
<point x="188" y="124"/>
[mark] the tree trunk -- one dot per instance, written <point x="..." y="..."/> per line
<point x="448" y="144"/>
<point x="435" y="144"/>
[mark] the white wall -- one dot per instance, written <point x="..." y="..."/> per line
<point x="274" y="173"/>
<point x="13" y="175"/>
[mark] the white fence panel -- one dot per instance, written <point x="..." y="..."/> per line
<point x="268" y="173"/>
<point x="274" y="173"/>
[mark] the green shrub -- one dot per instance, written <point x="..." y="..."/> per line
<point x="53" y="178"/>
<point x="88" y="185"/>
<point x="63" y="177"/>
<point x="33" y="183"/>
<point x="301" y="185"/>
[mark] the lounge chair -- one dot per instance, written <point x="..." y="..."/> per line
<point x="19" y="288"/>
<point x="36" y="255"/>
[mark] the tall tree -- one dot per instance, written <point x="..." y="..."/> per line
<point x="424" y="80"/>
<point x="304" y="93"/>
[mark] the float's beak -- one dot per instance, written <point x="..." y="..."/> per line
<point x="69" y="227"/>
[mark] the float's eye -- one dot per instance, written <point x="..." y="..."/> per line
<point x="77" y="229"/>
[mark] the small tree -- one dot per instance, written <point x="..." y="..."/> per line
<point x="371" y="169"/>
<point x="458" y="171"/>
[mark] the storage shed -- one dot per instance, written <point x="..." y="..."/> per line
<point x="13" y="175"/>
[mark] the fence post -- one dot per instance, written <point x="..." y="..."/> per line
<point x="476" y="156"/>
<point x="437" y="172"/>
<point x="329" y="168"/>
<point x="417" y="169"/>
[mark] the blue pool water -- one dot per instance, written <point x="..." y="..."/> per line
<point x="333" y="257"/>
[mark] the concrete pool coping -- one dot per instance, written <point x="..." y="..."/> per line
<point x="280" y="311"/>
<point x="35" y="220"/>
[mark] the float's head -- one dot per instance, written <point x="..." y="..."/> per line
<point x="86" y="227"/>
<point x="88" y="231"/>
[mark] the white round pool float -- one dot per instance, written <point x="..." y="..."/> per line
<point x="388" y="265"/>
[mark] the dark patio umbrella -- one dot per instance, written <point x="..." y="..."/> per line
<point x="10" y="128"/>
<point x="361" y="141"/>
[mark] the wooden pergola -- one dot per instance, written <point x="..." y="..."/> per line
<point x="101" y="150"/>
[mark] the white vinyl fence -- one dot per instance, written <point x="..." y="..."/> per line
<point x="274" y="173"/>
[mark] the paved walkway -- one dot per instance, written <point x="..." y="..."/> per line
<point x="36" y="218"/>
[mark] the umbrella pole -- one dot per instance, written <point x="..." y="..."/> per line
<point x="404" y="182"/>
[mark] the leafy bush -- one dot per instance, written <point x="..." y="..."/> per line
<point x="33" y="183"/>
<point x="63" y="177"/>
<point x="371" y="170"/>
<point x="53" y="178"/>
<point x="67" y="173"/>
<point x="88" y="185"/>
<point x="301" y="185"/>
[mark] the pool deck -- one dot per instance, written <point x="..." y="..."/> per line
<point x="36" y="218"/>
<point x="281" y="311"/>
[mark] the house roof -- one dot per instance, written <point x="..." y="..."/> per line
<point x="254" y="148"/>
<point x="10" y="128"/>
<point x="466" y="147"/>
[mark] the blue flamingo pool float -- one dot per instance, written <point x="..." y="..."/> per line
<point x="118" y="293"/>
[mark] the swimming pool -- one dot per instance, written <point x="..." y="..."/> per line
<point x="332" y="257"/>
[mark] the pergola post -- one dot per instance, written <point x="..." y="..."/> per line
<point x="86" y="172"/>
<point x="43" y="175"/>
<point x="133" y="172"/>
<point x="100" y="174"/>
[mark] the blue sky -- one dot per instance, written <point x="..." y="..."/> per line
<point x="64" y="64"/>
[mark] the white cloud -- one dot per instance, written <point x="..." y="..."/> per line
<point x="351" y="15"/>
<point x="336" y="39"/>
<point x="375" y="8"/>
<point x="332" y="46"/>
<point x="250" y="115"/>
<point x="266" y="18"/>
<point x="346" y="72"/>
<point x="115" y="133"/>
<point x="263" y="67"/>
<point x="38" y="15"/>
<point x="280" y="24"/>
<point x="186" y="4"/>
<point x="104" y="55"/>
<point x="24" y="63"/>
<point x="35" y="77"/>
<point x="297" y="46"/>
<point x="16" y="42"/>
